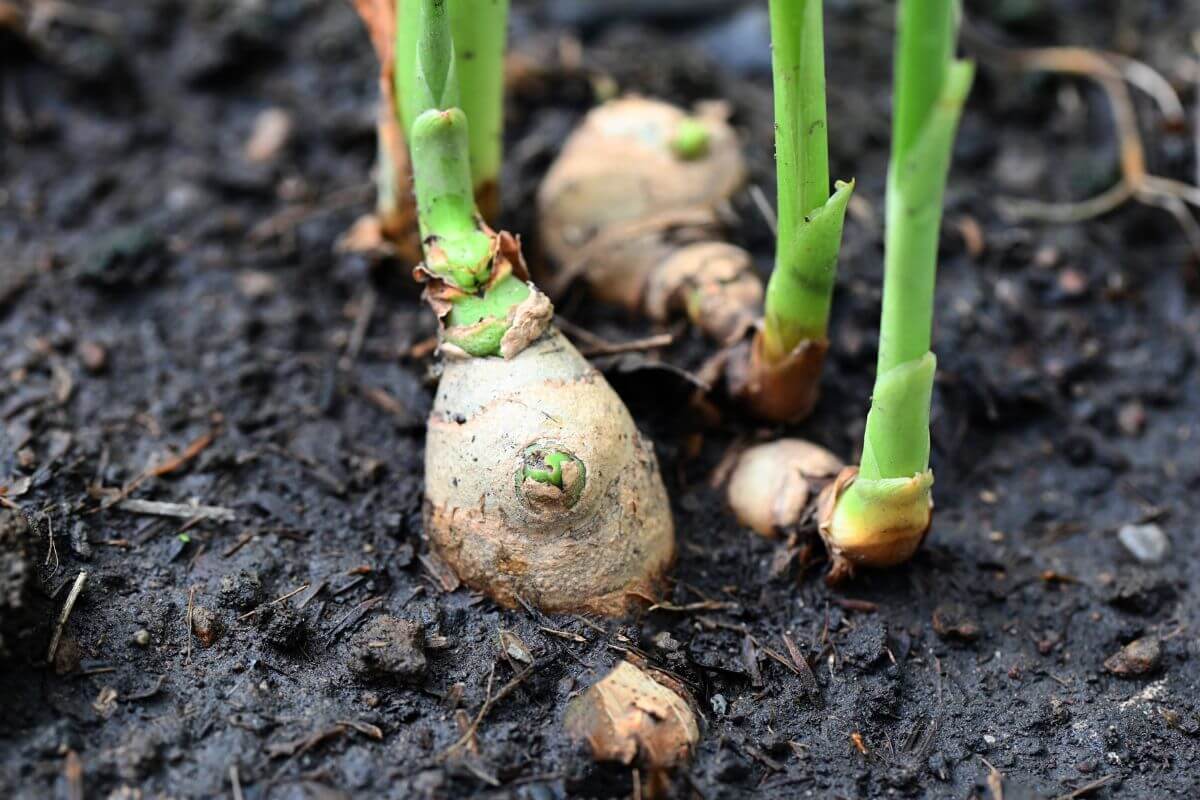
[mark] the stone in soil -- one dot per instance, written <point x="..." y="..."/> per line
<point x="953" y="621"/>
<point x="866" y="643"/>
<point x="1139" y="657"/>
<point x="285" y="629"/>
<point x="206" y="625"/>
<point x="1147" y="543"/>
<point x="241" y="590"/>
<point x="389" y="647"/>
<point x="1140" y="591"/>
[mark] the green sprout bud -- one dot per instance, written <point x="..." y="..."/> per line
<point x="550" y="475"/>
<point x="691" y="140"/>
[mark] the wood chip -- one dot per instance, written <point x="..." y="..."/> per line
<point x="441" y="572"/>
<point x="365" y="728"/>
<point x="807" y="679"/>
<point x="305" y="743"/>
<point x="76" y="589"/>
<point x="179" y="510"/>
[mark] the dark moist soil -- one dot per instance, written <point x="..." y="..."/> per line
<point x="162" y="297"/>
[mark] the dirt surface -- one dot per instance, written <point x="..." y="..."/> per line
<point x="175" y="327"/>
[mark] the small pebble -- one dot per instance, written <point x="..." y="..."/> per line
<point x="515" y="649"/>
<point x="272" y="129"/>
<point x="142" y="638"/>
<point x="1072" y="283"/>
<point x="205" y="625"/>
<point x="389" y="647"/>
<point x="1147" y="543"/>
<point x="1131" y="418"/>
<point x="93" y="355"/>
<point x="255" y="284"/>
<point x="1136" y="658"/>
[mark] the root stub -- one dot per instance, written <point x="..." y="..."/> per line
<point x="786" y="391"/>
<point x="540" y="487"/>
<point x="772" y="483"/>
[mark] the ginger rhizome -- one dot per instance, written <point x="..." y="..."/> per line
<point x="538" y="485"/>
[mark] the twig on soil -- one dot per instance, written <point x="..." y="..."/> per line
<point x="488" y="704"/>
<point x="52" y="548"/>
<point x="424" y="347"/>
<point x="312" y="592"/>
<point x="362" y="321"/>
<point x="242" y="541"/>
<point x="850" y="604"/>
<point x="297" y="747"/>
<point x="632" y="346"/>
<point x="274" y="602"/>
<point x="593" y="345"/>
<point x="1087" y="788"/>
<point x="187" y="659"/>
<point x="365" y="728"/>
<point x="759" y="756"/>
<point x="995" y="780"/>
<point x="479" y="772"/>
<point x="180" y="510"/>
<point x="385" y="402"/>
<point x="235" y="782"/>
<point x="193" y="449"/>
<point x="764" y="208"/>
<point x="73" y="773"/>
<point x="1111" y="71"/>
<point x="87" y="673"/>
<point x="123" y="544"/>
<point x="290" y="217"/>
<point x="147" y="693"/>
<point x="571" y="637"/>
<point x="64" y="615"/>
<point x="353" y="616"/>
<point x="704" y="605"/>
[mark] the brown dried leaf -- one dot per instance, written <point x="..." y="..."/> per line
<point x="781" y="391"/>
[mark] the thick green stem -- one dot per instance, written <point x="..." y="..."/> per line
<point x="455" y="247"/>
<point x="896" y="444"/>
<point x="930" y="89"/>
<point x="800" y="290"/>
<point x="404" y="72"/>
<point x="458" y="250"/>
<point x="810" y="221"/>
<point x="478" y="30"/>
<point x="801" y="137"/>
